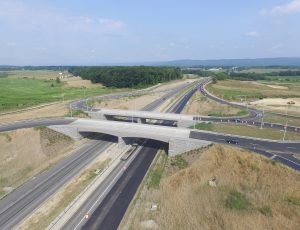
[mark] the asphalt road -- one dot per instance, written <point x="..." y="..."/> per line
<point x="26" y="198"/>
<point x="111" y="199"/>
<point x="35" y="123"/>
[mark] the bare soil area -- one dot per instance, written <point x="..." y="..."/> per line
<point x="173" y="84"/>
<point x="78" y="82"/>
<point x="129" y="103"/>
<point x="279" y="104"/>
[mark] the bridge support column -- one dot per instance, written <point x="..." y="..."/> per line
<point x="178" y="146"/>
<point x="185" y="123"/>
<point x="97" y="115"/>
<point x="141" y="120"/>
<point x="121" y="142"/>
<point x="67" y="130"/>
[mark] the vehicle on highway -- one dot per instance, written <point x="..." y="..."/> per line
<point x="129" y="152"/>
<point x="232" y="141"/>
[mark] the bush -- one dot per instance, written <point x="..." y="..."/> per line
<point x="238" y="201"/>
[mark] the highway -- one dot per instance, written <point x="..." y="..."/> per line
<point x="26" y="198"/>
<point x="107" y="205"/>
<point x="14" y="209"/>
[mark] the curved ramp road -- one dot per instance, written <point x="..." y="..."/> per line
<point x="251" y="119"/>
<point x="35" y="123"/>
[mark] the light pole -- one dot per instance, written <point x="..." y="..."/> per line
<point x="71" y="110"/>
<point x="262" y="118"/>
<point x="286" y="123"/>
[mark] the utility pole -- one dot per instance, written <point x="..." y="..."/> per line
<point x="285" y="127"/>
<point x="284" y="132"/>
<point x="262" y="118"/>
<point x="71" y="110"/>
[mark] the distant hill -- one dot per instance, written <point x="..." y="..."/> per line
<point x="258" y="62"/>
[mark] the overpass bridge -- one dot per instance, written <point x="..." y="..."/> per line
<point x="178" y="138"/>
<point x="142" y="116"/>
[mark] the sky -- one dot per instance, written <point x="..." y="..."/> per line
<point x="93" y="32"/>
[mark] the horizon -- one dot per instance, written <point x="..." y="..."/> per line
<point x="105" y="33"/>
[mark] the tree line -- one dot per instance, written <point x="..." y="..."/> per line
<point x="127" y="77"/>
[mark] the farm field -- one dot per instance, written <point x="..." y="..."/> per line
<point x="21" y="92"/>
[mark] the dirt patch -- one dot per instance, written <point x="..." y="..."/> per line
<point x="173" y="84"/>
<point x="279" y="104"/>
<point x="271" y="86"/>
<point x="26" y="152"/>
<point x="78" y="82"/>
<point x="129" y="103"/>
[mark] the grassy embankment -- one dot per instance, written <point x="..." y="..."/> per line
<point x="251" y="131"/>
<point x="201" y="105"/>
<point x="252" y="192"/>
<point x="27" y="152"/>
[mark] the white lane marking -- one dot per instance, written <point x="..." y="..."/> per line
<point x="290" y="147"/>
<point x="253" y="144"/>
<point x="105" y="190"/>
<point x="273" y="157"/>
<point x="220" y="139"/>
<point x="289" y="160"/>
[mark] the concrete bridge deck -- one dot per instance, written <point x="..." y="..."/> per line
<point x="178" y="138"/>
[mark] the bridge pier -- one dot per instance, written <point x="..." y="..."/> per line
<point x="121" y="142"/>
<point x="142" y="120"/>
<point x="185" y="123"/>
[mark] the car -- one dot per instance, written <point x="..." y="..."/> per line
<point x="232" y="141"/>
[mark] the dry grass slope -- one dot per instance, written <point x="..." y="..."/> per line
<point x="26" y="152"/>
<point x="252" y="193"/>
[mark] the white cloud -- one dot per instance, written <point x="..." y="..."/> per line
<point x="22" y="17"/>
<point x="277" y="47"/>
<point x="252" y="34"/>
<point x="288" y="8"/>
<point x="11" y="44"/>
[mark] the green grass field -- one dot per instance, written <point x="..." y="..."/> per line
<point x="38" y="74"/>
<point x="17" y="93"/>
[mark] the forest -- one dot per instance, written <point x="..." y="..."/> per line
<point x="127" y="77"/>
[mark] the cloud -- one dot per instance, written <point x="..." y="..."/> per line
<point x="22" y="17"/>
<point x="252" y="34"/>
<point x="288" y="8"/>
<point x="277" y="47"/>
